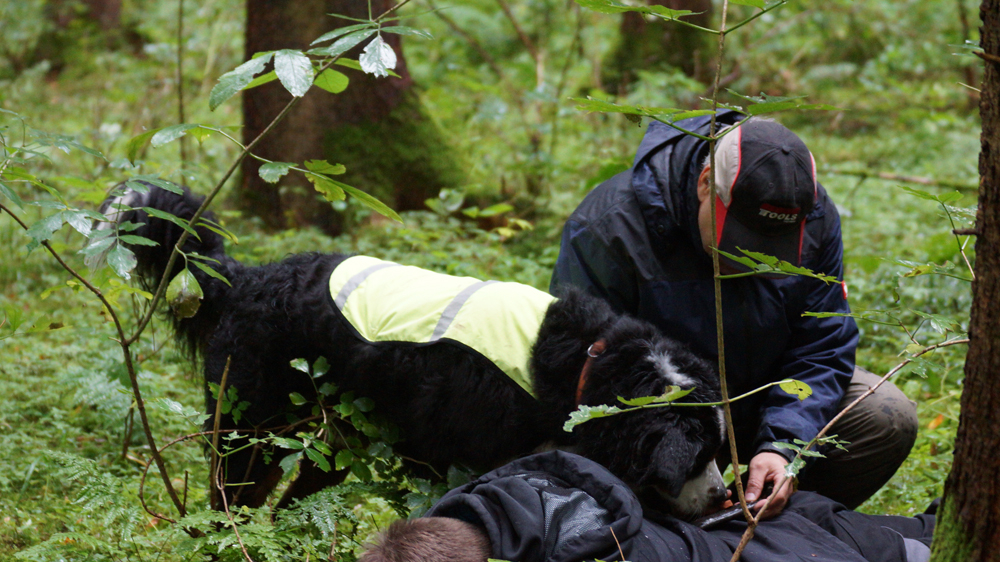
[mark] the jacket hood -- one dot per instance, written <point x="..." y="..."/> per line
<point x="552" y="506"/>
<point x="666" y="168"/>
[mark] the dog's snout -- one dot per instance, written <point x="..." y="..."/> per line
<point x="717" y="494"/>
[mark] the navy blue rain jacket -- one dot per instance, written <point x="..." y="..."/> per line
<point x="634" y="241"/>
<point x="560" y="507"/>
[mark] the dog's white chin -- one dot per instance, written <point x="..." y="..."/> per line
<point x="698" y="496"/>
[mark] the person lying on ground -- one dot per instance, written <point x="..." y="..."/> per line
<point x="560" y="507"/>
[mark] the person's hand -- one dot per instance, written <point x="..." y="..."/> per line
<point x="769" y="467"/>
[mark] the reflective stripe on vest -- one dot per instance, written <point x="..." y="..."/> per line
<point x="386" y="301"/>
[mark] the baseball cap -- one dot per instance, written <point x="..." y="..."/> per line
<point x="765" y="181"/>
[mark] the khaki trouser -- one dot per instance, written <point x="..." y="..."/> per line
<point x="879" y="433"/>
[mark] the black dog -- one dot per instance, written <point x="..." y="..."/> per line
<point x="451" y="404"/>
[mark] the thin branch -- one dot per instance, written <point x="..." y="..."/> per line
<point x="987" y="56"/>
<point x="717" y="282"/>
<point x="470" y="39"/>
<point x="864" y="174"/>
<point x="536" y="55"/>
<point x="218" y="417"/>
<point x="180" y="79"/>
<point x="229" y="515"/>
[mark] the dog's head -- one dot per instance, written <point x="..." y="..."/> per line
<point x="665" y="453"/>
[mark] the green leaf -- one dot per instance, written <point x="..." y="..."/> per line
<point x="585" y="413"/>
<point x="361" y="471"/>
<point x="940" y="324"/>
<point x="297" y="399"/>
<point x="137" y="143"/>
<point x="300" y="365"/>
<point x="327" y="187"/>
<point x="322" y="448"/>
<point x="137" y="240"/>
<point x="218" y="229"/>
<point x="755" y="3"/>
<point x="184" y="293"/>
<point x="343" y="44"/>
<point x="328" y="389"/>
<point x="320" y="367"/>
<point x="332" y="81"/>
<point x="364" y="404"/>
<point x="615" y="7"/>
<point x="370" y="201"/>
<point x="169" y="134"/>
<point x="950" y="197"/>
<point x="210" y="272"/>
<point x="9" y="193"/>
<point x="347" y="409"/>
<point x="154" y="212"/>
<point x="97" y="246"/>
<point x="122" y="261"/>
<point x="671" y="394"/>
<point x="497" y="209"/>
<point x="235" y="80"/>
<point x="600" y="106"/>
<point x="796" y="388"/>
<point x="287" y="464"/>
<point x="919" y="193"/>
<point x="294" y="70"/>
<point x="79" y="220"/>
<point x="343" y="459"/>
<point x="288" y="443"/>
<point x="157" y="181"/>
<point x="195" y="417"/>
<point x="324" y="167"/>
<point x="401" y="30"/>
<point x="261" y="80"/>
<point x="378" y="58"/>
<point x="331" y="35"/>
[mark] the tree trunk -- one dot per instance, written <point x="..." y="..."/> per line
<point x="377" y="127"/>
<point x="658" y="45"/>
<point x="969" y="518"/>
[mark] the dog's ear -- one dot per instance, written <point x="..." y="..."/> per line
<point x="673" y="459"/>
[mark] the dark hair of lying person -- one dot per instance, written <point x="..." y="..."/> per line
<point x="430" y="539"/>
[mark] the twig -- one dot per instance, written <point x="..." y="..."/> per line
<point x="229" y="515"/>
<point x="864" y="174"/>
<point x="470" y="39"/>
<point x="536" y="55"/>
<point x="987" y="56"/>
<point x="218" y="418"/>
<point x="613" y="535"/>
<point x="180" y="78"/>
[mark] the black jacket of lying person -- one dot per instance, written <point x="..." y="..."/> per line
<point x="560" y="507"/>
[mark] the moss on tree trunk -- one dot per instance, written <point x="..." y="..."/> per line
<point x="377" y="127"/>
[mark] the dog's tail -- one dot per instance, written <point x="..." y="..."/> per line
<point x="142" y="209"/>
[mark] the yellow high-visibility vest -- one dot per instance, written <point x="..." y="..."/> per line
<point x="389" y="302"/>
